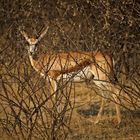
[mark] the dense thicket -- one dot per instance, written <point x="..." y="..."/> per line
<point x="111" y="26"/>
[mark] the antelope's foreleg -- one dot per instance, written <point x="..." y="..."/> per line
<point x="53" y="85"/>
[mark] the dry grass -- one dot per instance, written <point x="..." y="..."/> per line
<point x="85" y="129"/>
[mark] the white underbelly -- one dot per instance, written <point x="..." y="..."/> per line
<point x="78" y="76"/>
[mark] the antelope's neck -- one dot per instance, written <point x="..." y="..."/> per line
<point x="33" y="61"/>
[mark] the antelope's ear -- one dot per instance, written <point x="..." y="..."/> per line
<point x="42" y="34"/>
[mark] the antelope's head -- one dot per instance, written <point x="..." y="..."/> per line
<point x="33" y="41"/>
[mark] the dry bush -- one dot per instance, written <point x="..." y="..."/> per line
<point x="27" y="107"/>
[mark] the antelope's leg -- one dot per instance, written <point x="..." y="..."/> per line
<point x="53" y="85"/>
<point x="52" y="93"/>
<point x="117" y="106"/>
<point x="56" y="102"/>
<point x="102" y="93"/>
<point x="53" y="89"/>
<point x="115" y="95"/>
<point x="98" y="118"/>
<point x="56" y="96"/>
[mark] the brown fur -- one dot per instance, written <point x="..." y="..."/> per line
<point x="63" y="63"/>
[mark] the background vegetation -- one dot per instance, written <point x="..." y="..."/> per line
<point x="27" y="110"/>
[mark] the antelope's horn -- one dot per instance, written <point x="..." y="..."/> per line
<point x="43" y="33"/>
<point x="25" y="36"/>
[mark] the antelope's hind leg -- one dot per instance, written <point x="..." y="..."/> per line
<point x="98" y="118"/>
<point x="115" y="91"/>
<point x="117" y="106"/>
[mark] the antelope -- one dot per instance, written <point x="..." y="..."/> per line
<point x="90" y="65"/>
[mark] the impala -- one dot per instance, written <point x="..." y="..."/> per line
<point x="76" y="66"/>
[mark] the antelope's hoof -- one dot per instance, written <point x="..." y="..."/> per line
<point x="96" y="122"/>
<point x="120" y="124"/>
<point x="90" y="119"/>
